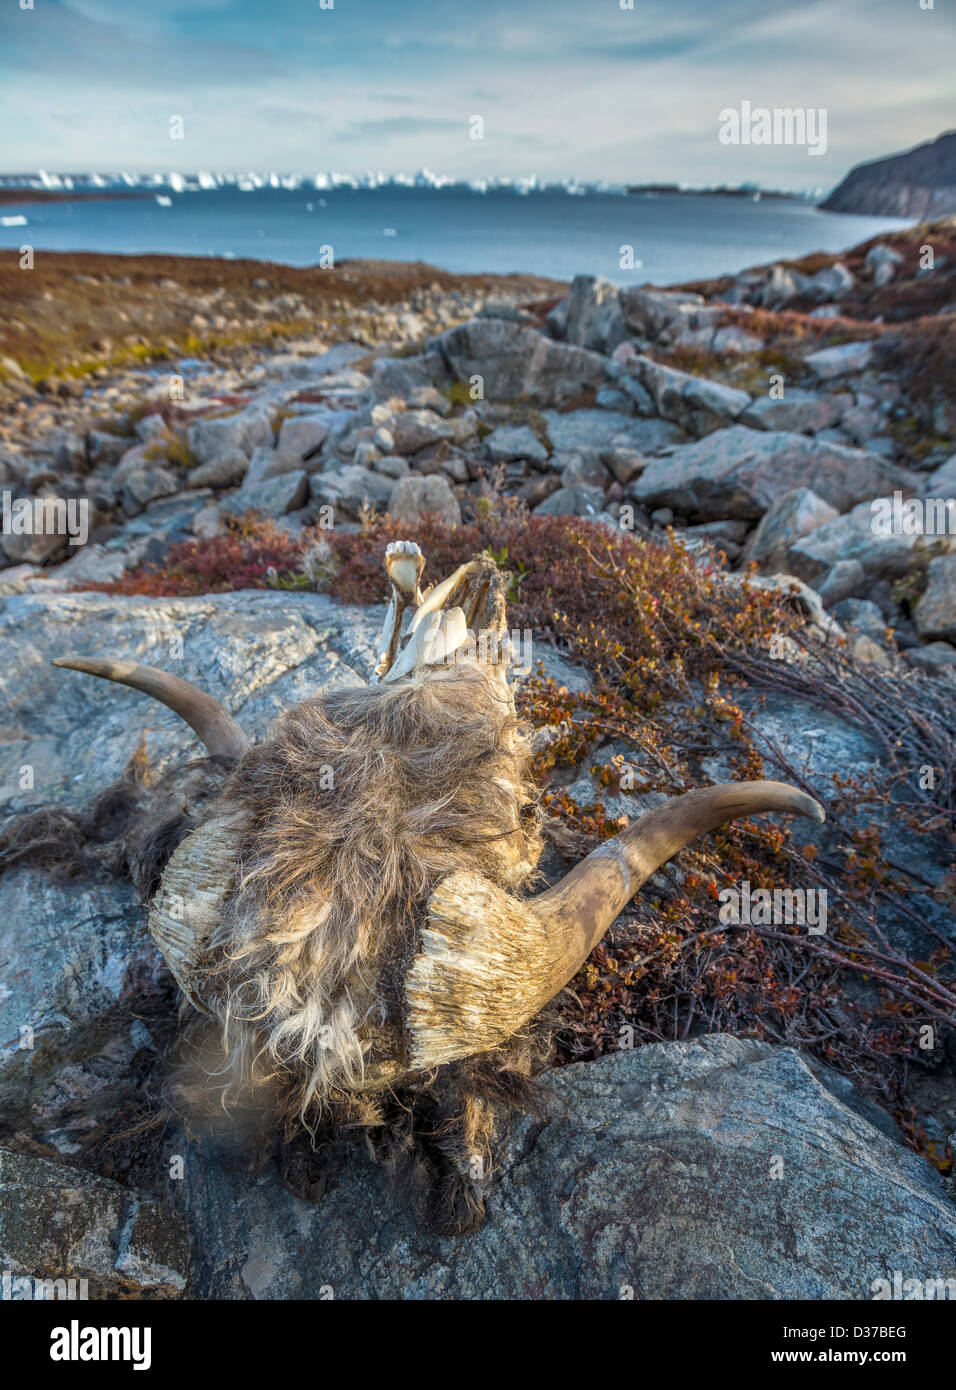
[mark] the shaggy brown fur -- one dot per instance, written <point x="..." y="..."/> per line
<point x="347" y="818"/>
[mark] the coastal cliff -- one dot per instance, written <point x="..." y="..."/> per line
<point x="919" y="183"/>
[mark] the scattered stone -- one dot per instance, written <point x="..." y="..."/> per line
<point x="267" y="462"/>
<point x="610" y="398"/>
<point x="694" y="402"/>
<point x="10" y="367"/>
<point x="854" y="536"/>
<point x="843" y="360"/>
<point x="351" y="488"/>
<point x="732" y="531"/>
<point x="736" y="341"/>
<point x="207" y="522"/>
<point x="91" y="564"/>
<point x="430" y="398"/>
<point x="933" y="658"/>
<point x="416" y="429"/>
<point x="513" y="360"/>
<point x="649" y="312"/>
<point x="557" y="320"/>
<point x="942" y="482"/>
<point x="70" y="455"/>
<point x="302" y="434"/>
<point x="273" y="497"/>
<point x="579" y="499"/>
<point x="832" y="282"/>
<point x="582" y="466"/>
<point x="881" y="261"/>
<point x="515" y="442"/>
<point x="131" y="461"/>
<point x="593" y="318"/>
<point x="403" y="376"/>
<point x="791" y="515"/>
<point x="413" y="497"/>
<point x="864" y="648"/>
<point x="803" y="412"/>
<point x="863" y="615"/>
<point x="863" y="423"/>
<point x="781" y="285"/>
<point x="605" y="429"/>
<point x="936" y="610"/>
<point x="225" y="470"/>
<point x="144" y="484"/>
<point x="840" y="581"/>
<point x="32" y="549"/>
<point x="537" y="487"/>
<point x="150" y="427"/>
<point x="212" y="435"/>
<point x="60" y="1223"/>
<point x="738" y="472"/>
<point x="105" y="450"/>
<point x="392" y="466"/>
<point x="625" y="464"/>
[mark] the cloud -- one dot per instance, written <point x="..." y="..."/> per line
<point x="388" y="127"/>
<point x="566" y="89"/>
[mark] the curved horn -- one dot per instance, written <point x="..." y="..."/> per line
<point x="217" y="730"/>
<point x="489" y="962"/>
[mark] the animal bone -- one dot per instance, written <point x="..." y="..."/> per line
<point x="353" y="938"/>
<point x="218" y="731"/>
<point x="404" y="563"/>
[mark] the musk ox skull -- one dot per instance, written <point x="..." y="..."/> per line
<point x="353" y="913"/>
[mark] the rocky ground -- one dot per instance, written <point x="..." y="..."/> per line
<point x="770" y="431"/>
<point x="657" y="415"/>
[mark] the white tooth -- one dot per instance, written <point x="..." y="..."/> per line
<point x="452" y="633"/>
<point x="438" y="638"/>
<point x="412" y="655"/>
<point x="436" y="598"/>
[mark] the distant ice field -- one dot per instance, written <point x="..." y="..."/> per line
<point x="549" y="232"/>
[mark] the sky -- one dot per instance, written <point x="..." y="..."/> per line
<point x="564" y="88"/>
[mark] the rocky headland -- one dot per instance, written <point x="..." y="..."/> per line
<point x="918" y="183"/>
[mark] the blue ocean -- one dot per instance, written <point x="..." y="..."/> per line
<point x="552" y="232"/>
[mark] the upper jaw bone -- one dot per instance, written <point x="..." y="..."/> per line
<point x="466" y="610"/>
<point x="404" y="563"/>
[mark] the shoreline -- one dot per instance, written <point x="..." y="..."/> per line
<point x="17" y="197"/>
<point x="79" y="314"/>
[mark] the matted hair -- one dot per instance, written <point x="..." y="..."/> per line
<point x="347" y="817"/>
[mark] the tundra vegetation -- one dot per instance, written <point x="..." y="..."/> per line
<point x="672" y="651"/>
